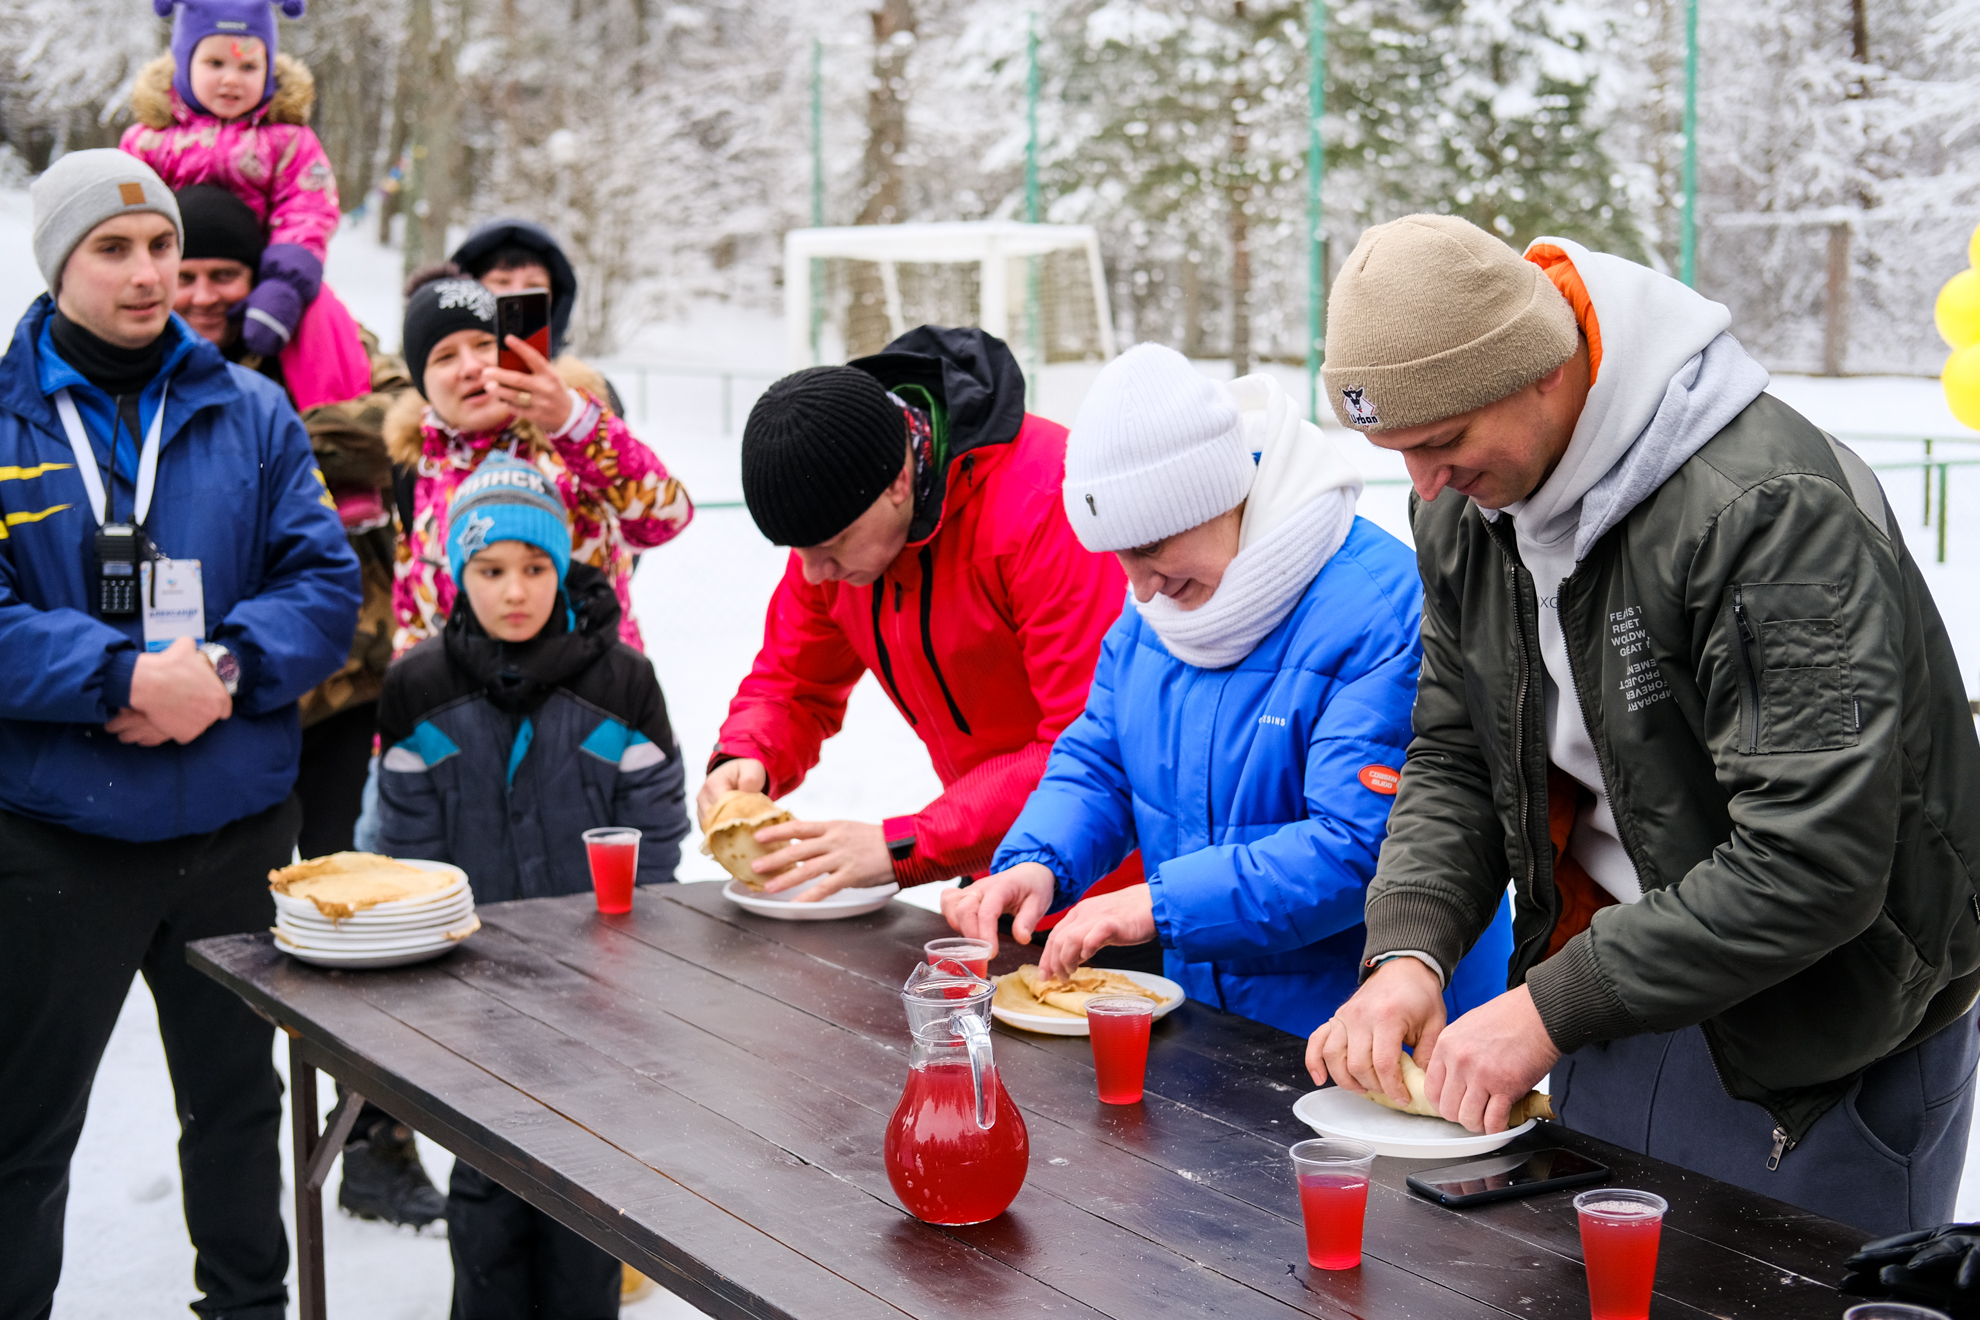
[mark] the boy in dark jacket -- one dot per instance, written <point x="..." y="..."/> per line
<point x="525" y="723"/>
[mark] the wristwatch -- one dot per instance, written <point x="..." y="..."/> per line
<point x="899" y="833"/>
<point x="225" y="664"/>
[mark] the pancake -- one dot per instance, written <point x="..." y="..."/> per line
<point x="1534" y="1105"/>
<point x="1012" y="997"/>
<point x="730" y="831"/>
<point x="1070" y="995"/>
<point x="346" y="883"/>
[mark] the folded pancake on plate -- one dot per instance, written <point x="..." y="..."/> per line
<point x="1534" y="1105"/>
<point x="1071" y="993"/>
<point x="730" y="833"/>
<point x="346" y="883"/>
<point x="1013" y="997"/>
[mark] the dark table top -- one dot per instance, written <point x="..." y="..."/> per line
<point x="703" y="1093"/>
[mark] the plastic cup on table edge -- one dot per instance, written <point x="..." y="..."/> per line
<point x="1619" y="1233"/>
<point x="612" y="852"/>
<point x="1333" y="1198"/>
<point x="1118" y="1027"/>
<point x="1893" y="1311"/>
<point x="973" y="954"/>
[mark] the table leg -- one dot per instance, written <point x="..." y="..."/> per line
<point x="314" y="1154"/>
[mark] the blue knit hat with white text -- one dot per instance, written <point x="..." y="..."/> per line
<point x="507" y="500"/>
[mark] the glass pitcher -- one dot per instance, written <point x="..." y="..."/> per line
<point x="956" y="1146"/>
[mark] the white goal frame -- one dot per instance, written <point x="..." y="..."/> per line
<point x="989" y="244"/>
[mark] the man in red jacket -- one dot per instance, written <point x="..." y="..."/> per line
<point x="931" y="547"/>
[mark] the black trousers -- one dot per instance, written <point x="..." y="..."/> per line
<point x="79" y="915"/>
<point x="513" y="1262"/>
<point x="336" y="752"/>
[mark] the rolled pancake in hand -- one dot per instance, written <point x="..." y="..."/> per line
<point x="730" y="831"/>
<point x="1534" y="1105"/>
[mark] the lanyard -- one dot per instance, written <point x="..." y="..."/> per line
<point x="147" y="473"/>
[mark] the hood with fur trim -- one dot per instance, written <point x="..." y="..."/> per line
<point x="155" y="105"/>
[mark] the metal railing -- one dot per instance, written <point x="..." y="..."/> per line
<point x="640" y="374"/>
<point x="1932" y="470"/>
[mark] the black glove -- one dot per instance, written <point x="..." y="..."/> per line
<point x="1937" y="1266"/>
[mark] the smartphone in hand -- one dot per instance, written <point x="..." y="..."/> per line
<point x="525" y="315"/>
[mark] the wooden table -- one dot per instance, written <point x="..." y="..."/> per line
<point x="702" y="1093"/>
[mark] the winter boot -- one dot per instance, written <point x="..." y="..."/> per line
<point x="383" y="1178"/>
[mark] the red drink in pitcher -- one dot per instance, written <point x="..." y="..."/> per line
<point x="945" y="1168"/>
<point x="973" y="954"/>
<point x="1619" y="1234"/>
<point x="1334" y="1206"/>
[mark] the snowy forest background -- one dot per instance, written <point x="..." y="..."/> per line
<point x="669" y="141"/>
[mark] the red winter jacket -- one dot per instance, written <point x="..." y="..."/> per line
<point x="984" y="632"/>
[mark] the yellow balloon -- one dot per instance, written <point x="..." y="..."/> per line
<point x="1957" y="311"/>
<point x="1961" y="379"/>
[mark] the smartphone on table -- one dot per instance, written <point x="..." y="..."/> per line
<point x="1506" y="1175"/>
<point x="525" y="315"/>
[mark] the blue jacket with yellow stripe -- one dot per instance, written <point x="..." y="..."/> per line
<point x="499" y="756"/>
<point x="237" y="490"/>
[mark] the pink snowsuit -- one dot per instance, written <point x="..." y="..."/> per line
<point x="273" y="162"/>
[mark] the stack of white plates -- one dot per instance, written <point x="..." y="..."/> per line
<point x="385" y="935"/>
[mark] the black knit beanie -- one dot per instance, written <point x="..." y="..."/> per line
<point x="437" y="309"/>
<point x="219" y="226"/>
<point x="820" y="446"/>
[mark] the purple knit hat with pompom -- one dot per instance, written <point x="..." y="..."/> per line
<point x="197" y="20"/>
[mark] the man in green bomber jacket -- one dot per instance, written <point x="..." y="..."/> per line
<point x="1684" y="688"/>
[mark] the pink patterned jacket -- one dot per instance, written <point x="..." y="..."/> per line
<point x="619" y="493"/>
<point x="270" y="159"/>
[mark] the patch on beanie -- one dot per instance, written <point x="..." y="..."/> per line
<point x="132" y="193"/>
<point x="1359" y="410"/>
<point x="1091" y="507"/>
<point x="474" y="534"/>
<point x="471" y="295"/>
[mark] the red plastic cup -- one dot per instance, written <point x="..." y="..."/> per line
<point x="1619" y="1232"/>
<point x="614" y="856"/>
<point x="973" y="954"/>
<point x="1118" y="1026"/>
<point x="1333" y="1199"/>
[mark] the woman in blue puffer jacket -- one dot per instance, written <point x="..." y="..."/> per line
<point x="1249" y="712"/>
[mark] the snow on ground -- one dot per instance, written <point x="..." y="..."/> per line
<point x="701" y="602"/>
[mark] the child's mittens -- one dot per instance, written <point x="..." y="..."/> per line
<point x="290" y="279"/>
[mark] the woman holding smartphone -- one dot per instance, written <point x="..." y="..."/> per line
<point x="551" y="415"/>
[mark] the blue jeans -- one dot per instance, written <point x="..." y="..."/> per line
<point x="1886" y="1159"/>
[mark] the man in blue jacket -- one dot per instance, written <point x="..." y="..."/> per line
<point x="1247" y="715"/>
<point x="172" y="577"/>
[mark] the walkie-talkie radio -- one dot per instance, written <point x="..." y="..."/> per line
<point x="119" y="548"/>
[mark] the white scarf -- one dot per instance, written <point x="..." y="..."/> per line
<point x="1297" y="514"/>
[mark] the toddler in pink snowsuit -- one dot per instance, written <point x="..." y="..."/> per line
<point x="224" y="108"/>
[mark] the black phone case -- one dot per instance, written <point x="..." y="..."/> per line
<point x="1430" y="1191"/>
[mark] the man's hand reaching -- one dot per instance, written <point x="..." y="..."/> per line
<point x="1025" y="891"/>
<point x="1360" y="1046"/>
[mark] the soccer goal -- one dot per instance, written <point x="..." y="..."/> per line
<point x="1040" y="288"/>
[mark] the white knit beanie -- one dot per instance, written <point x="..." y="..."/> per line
<point x="1157" y="448"/>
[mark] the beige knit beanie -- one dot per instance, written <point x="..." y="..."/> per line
<point x="1432" y="317"/>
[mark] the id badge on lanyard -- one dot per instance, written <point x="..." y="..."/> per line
<point x="132" y="579"/>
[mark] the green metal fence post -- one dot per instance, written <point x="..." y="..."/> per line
<point x="817" y="187"/>
<point x="1033" y="321"/>
<point x="1688" y="244"/>
<point x="1943" y="520"/>
<point x="1316" y="169"/>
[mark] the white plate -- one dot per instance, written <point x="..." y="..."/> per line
<point x="368" y="961"/>
<point x="1336" y="1113"/>
<point x="783" y="907"/>
<point x="403" y="907"/>
<point x="288" y="937"/>
<point x="1172" y="994"/>
<point x="445" y="914"/>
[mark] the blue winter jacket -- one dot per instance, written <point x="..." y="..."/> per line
<point x="1259" y="794"/>
<point x="238" y="490"/>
